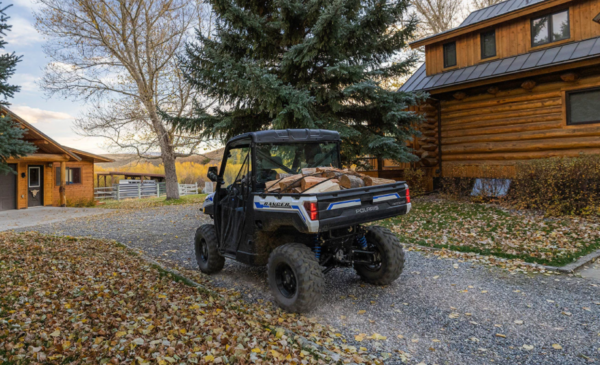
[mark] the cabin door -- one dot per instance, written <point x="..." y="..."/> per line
<point x="35" y="191"/>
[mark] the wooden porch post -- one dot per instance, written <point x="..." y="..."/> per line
<point x="63" y="184"/>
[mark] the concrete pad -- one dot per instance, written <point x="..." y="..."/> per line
<point x="591" y="271"/>
<point x="31" y="217"/>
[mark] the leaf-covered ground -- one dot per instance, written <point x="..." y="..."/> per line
<point x="488" y="230"/>
<point x="67" y="300"/>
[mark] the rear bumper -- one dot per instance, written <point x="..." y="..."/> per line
<point x="363" y="214"/>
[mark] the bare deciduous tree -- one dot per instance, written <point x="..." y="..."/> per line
<point x="480" y="4"/>
<point x="437" y="15"/>
<point x="120" y="55"/>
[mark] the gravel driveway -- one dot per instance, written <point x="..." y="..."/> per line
<point x="440" y="311"/>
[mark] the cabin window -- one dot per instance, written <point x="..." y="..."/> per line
<point x="450" y="54"/>
<point x="550" y="28"/>
<point x="73" y="175"/>
<point x="34" y="177"/>
<point x="583" y="106"/>
<point x="488" y="44"/>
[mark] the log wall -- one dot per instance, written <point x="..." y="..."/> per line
<point x="486" y="135"/>
<point x="77" y="192"/>
<point x="514" y="38"/>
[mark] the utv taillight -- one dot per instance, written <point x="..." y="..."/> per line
<point x="311" y="209"/>
<point x="407" y="195"/>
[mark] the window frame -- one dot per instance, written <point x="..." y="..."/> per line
<point x="550" y="28"/>
<point x="455" y="54"/>
<point x="39" y="176"/>
<point x="70" y="174"/>
<point x="483" y="57"/>
<point x="69" y="171"/>
<point x="568" y="94"/>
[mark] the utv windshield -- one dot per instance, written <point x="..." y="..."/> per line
<point x="273" y="159"/>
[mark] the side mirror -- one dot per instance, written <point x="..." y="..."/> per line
<point x="212" y="173"/>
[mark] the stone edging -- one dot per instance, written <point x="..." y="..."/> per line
<point x="567" y="269"/>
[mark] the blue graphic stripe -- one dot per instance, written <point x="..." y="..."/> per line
<point x="296" y="207"/>
<point x="330" y="207"/>
<point x="396" y="195"/>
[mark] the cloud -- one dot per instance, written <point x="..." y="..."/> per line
<point x="88" y="144"/>
<point x="27" y="82"/>
<point x="22" y="32"/>
<point x="34" y="115"/>
<point x="27" y="4"/>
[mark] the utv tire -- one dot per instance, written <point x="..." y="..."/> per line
<point x="295" y="277"/>
<point x="391" y="255"/>
<point x="206" y="248"/>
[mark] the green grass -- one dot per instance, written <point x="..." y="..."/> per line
<point x="151" y="202"/>
<point x="488" y="230"/>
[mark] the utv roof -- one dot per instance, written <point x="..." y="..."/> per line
<point x="289" y="135"/>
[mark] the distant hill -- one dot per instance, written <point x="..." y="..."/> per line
<point x="122" y="159"/>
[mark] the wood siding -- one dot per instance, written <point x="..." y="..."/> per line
<point x="23" y="183"/>
<point x="512" y="126"/>
<point x="83" y="192"/>
<point x="514" y="38"/>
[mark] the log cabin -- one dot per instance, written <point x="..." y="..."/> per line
<point x="52" y="176"/>
<point x="516" y="81"/>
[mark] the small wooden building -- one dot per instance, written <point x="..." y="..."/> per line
<point x="52" y="176"/>
<point x="516" y="81"/>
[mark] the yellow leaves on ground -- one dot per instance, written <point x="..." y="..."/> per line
<point x="376" y="336"/>
<point x="86" y="298"/>
<point x="557" y="346"/>
<point x="490" y="229"/>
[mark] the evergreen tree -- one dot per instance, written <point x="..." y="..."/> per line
<point x="306" y="64"/>
<point x="11" y="136"/>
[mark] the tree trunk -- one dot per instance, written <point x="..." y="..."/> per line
<point x="167" y="154"/>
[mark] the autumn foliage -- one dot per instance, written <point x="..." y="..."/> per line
<point x="187" y="172"/>
<point x="65" y="300"/>
<point x="556" y="186"/>
<point x="559" y="186"/>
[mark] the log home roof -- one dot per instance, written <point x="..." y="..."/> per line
<point x="563" y="54"/>
<point x="90" y="156"/>
<point x="485" y="14"/>
<point x="44" y="143"/>
<point x="48" y="146"/>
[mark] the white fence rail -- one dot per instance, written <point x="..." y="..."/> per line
<point x="135" y="189"/>
<point x="188" y="189"/>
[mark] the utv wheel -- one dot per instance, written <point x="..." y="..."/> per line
<point x="207" y="255"/>
<point x="295" y="277"/>
<point x="390" y="255"/>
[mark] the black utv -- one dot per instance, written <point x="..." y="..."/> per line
<point x="299" y="236"/>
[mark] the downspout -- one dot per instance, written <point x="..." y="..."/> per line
<point x="439" y="120"/>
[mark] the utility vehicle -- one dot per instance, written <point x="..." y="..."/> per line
<point x="299" y="236"/>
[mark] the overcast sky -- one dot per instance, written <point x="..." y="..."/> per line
<point x="52" y="116"/>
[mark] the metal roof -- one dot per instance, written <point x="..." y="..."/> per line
<point x="490" y="12"/>
<point x="567" y="53"/>
<point x="289" y="135"/>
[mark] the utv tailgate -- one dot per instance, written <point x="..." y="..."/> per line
<point x="344" y="208"/>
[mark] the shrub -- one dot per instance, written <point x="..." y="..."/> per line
<point x="417" y="181"/>
<point x="558" y="186"/>
<point x="81" y="203"/>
